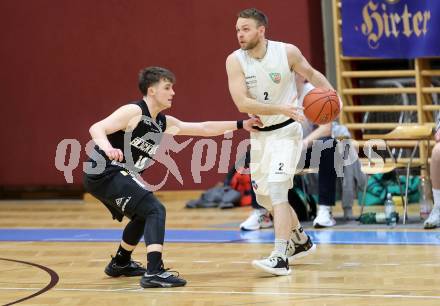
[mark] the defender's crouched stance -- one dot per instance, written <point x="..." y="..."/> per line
<point x="113" y="176"/>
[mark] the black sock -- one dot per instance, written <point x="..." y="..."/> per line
<point x="122" y="256"/>
<point x="154" y="264"/>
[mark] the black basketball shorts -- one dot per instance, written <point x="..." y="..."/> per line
<point x="119" y="190"/>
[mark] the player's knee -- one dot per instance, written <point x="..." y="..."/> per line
<point x="278" y="192"/>
<point x="159" y="210"/>
<point x="277" y="200"/>
<point x="133" y="231"/>
<point x="137" y="221"/>
<point x="151" y="207"/>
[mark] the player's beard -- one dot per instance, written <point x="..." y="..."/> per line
<point x="251" y="44"/>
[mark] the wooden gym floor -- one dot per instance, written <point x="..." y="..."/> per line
<point x="57" y="250"/>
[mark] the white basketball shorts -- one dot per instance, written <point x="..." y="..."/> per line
<point x="274" y="158"/>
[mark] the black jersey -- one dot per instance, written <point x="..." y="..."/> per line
<point x="139" y="145"/>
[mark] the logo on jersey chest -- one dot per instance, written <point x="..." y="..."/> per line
<point x="251" y="81"/>
<point x="275" y="77"/>
<point x="144" y="146"/>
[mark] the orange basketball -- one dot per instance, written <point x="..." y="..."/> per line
<point x="321" y="106"/>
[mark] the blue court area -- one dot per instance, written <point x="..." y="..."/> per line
<point x="227" y="236"/>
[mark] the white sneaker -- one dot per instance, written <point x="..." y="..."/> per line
<point x="324" y="217"/>
<point x="433" y="220"/>
<point x="259" y="218"/>
<point x="274" y="264"/>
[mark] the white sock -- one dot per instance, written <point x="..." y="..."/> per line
<point x="436" y="196"/>
<point x="280" y="247"/>
<point x="298" y="235"/>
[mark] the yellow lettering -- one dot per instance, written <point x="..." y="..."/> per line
<point x="406" y="25"/>
<point x="427" y="16"/>
<point x="417" y="19"/>
<point x="377" y="21"/>
<point x="395" y="19"/>
<point x="368" y="27"/>
<point x="386" y="21"/>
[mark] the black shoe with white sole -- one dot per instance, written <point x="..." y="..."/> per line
<point x="132" y="268"/>
<point x="162" y="279"/>
<point x="295" y="251"/>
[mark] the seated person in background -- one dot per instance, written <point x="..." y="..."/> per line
<point x="433" y="220"/>
<point x="260" y="217"/>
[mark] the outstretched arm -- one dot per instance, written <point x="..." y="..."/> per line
<point x="238" y="90"/>
<point x="208" y="128"/>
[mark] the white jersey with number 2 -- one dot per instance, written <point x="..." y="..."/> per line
<point x="269" y="80"/>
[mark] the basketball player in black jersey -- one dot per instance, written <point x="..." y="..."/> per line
<point x="125" y="143"/>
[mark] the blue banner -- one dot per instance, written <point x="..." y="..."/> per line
<point x="391" y="28"/>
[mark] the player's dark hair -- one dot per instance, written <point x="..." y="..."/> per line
<point x="255" y="14"/>
<point x="152" y="75"/>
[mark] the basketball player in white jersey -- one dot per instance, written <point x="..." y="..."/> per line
<point x="261" y="78"/>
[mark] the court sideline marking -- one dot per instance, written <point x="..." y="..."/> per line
<point x="269" y="293"/>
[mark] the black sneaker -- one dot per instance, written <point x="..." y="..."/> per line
<point x="162" y="279"/>
<point x="273" y="264"/>
<point x="133" y="268"/>
<point x="295" y="251"/>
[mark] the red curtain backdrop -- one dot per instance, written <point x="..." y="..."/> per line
<point x="66" y="64"/>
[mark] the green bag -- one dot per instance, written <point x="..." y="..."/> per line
<point x="381" y="184"/>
